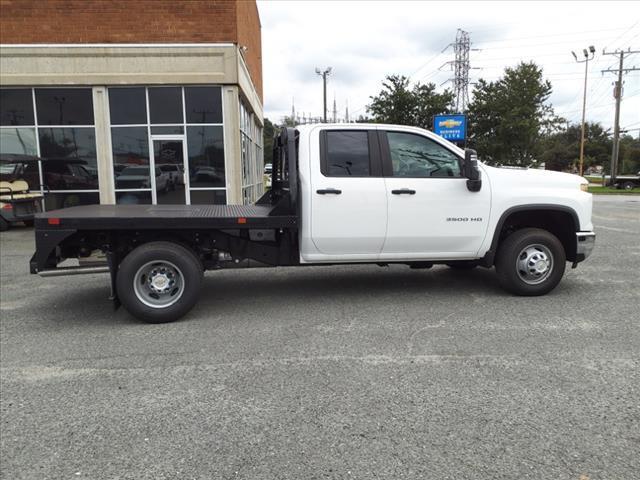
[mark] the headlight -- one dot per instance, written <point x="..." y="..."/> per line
<point x="584" y="187"/>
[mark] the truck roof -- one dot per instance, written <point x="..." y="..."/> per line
<point x="305" y="129"/>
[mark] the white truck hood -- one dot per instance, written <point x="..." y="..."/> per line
<point x="532" y="177"/>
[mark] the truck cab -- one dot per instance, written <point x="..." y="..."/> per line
<point x="341" y="194"/>
<point x="389" y="193"/>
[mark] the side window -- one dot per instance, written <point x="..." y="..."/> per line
<point x="417" y="156"/>
<point x="346" y="154"/>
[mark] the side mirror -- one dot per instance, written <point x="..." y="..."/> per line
<point x="471" y="170"/>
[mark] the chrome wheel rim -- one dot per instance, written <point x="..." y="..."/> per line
<point x="534" y="264"/>
<point x="158" y="284"/>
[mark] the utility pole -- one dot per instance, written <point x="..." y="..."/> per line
<point x="592" y="50"/>
<point x="617" y="94"/>
<point x="324" y="74"/>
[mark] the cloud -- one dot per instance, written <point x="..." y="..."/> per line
<point x="365" y="41"/>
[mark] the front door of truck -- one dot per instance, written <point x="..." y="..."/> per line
<point x="431" y="214"/>
<point x="348" y="197"/>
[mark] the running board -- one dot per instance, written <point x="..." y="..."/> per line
<point x="59" y="272"/>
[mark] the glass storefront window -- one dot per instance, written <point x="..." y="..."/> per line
<point x="133" y="198"/>
<point x="171" y="130"/>
<point x="165" y="105"/>
<point x="206" y="157"/>
<point x="16" y="106"/>
<point x="208" y="197"/>
<point x="18" y="140"/>
<point x="127" y="106"/>
<point x="69" y="155"/>
<point x="192" y="115"/>
<point x="54" y="201"/>
<point x="130" y="148"/>
<point x="64" y="106"/>
<point x="68" y="152"/>
<point x="203" y="104"/>
<point x="251" y="159"/>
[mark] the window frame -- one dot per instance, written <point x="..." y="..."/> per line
<point x="387" y="164"/>
<point x="375" y="160"/>
<point x="184" y="125"/>
<point x="42" y="187"/>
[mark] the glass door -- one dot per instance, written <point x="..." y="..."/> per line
<point x="169" y="165"/>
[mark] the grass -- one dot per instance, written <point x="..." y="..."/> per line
<point x="593" y="178"/>
<point x="612" y="191"/>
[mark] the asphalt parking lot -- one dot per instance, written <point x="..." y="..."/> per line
<point x="332" y="372"/>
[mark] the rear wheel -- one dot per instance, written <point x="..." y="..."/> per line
<point x="628" y="185"/>
<point x="159" y="282"/>
<point x="530" y="262"/>
<point x="4" y="225"/>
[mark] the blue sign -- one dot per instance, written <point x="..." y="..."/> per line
<point x="451" y="127"/>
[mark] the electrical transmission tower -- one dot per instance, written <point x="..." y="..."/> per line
<point x="460" y="67"/>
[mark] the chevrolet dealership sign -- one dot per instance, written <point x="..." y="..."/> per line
<point x="451" y="127"/>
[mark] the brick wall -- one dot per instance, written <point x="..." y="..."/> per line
<point x="136" y="21"/>
<point x="248" y="21"/>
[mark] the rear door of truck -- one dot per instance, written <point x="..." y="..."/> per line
<point x="348" y="194"/>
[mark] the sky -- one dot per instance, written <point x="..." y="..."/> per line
<point x="366" y="40"/>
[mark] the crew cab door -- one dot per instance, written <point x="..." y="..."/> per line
<point x="348" y="196"/>
<point x="431" y="213"/>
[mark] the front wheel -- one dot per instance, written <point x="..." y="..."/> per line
<point x="159" y="282"/>
<point x="530" y="262"/>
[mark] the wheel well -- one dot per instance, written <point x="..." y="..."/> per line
<point x="560" y="223"/>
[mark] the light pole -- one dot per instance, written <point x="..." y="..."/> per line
<point x="592" y="50"/>
<point x="324" y="74"/>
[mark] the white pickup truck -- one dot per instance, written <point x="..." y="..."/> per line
<point x="341" y="194"/>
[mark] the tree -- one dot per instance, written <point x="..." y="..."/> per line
<point x="268" y="133"/>
<point x="629" y="155"/>
<point x="399" y="104"/>
<point x="561" y="150"/>
<point x="508" y="117"/>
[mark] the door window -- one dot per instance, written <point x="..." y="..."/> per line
<point x="416" y="156"/>
<point x="169" y="167"/>
<point x="347" y="154"/>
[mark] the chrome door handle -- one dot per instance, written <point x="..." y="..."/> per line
<point x="404" y="191"/>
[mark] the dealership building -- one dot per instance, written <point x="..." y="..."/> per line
<point x="139" y="101"/>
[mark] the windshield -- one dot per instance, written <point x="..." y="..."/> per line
<point x="6" y="169"/>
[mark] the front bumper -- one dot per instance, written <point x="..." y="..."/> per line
<point x="585" y="241"/>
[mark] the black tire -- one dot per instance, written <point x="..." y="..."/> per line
<point x="628" y="185"/>
<point x="510" y="250"/>
<point x="4" y="225"/>
<point x="463" y="265"/>
<point x="188" y="265"/>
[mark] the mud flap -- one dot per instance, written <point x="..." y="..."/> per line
<point x="112" y="261"/>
